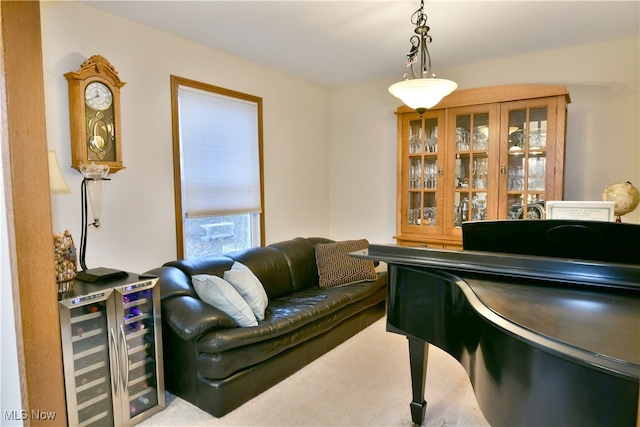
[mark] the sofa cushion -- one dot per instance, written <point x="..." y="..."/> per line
<point x="215" y="265"/>
<point x="270" y="268"/>
<point x="221" y="365"/>
<point x="189" y="317"/>
<point x="288" y="313"/>
<point x="249" y="287"/>
<point x="173" y="283"/>
<point x="219" y="293"/>
<point x="300" y="256"/>
<point x="337" y="268"/>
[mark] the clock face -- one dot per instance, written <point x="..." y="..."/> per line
<point x="98" y="96"/>
<point x="100" y="123"/>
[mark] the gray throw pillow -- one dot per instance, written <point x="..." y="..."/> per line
<point x="219" y="293"/>
<point x="249" y="286"/>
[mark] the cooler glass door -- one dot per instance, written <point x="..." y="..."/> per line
<point x="140" y="347"/>
<point x="88" y="341"/>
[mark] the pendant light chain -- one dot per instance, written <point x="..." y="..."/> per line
<point x="423" y="90"/>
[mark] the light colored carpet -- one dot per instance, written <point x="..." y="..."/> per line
<point x="363" y="382"/>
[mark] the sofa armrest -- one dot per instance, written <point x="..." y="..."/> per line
<point x="190" y="317"/>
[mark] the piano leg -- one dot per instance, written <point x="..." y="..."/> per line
<point x="418" y="354"/>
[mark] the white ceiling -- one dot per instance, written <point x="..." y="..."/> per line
<point x="335" y="43"/>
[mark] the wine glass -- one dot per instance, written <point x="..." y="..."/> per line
<point x="430" y="175"/>
<point x="415" y="141"/>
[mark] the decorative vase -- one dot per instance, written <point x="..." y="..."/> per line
<point x="65" y="261"/>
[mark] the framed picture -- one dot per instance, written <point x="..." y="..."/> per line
<point x="584" y="211"/>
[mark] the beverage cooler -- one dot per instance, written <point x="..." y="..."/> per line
<point x="112" y="351"/>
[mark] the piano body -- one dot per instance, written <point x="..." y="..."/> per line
<point x="545" y="340"/>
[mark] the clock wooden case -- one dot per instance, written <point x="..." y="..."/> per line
<point x="94" y="114"/>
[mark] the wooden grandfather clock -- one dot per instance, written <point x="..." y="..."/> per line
<point x="94" y="114"/>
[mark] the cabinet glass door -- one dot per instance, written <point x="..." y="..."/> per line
<point x="472" y="158"/>
<point x="89" y="352"/>
<point x="421" y="176"/>
<point x="525" y="163"/>
<point x="138" y="341"/>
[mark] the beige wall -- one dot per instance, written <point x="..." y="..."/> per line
<point x="330" y="155"/>
<point x="138" y="226"/>
<point x="603" y="142"/>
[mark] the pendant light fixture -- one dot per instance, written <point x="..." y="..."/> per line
<point x="423" y="90"/>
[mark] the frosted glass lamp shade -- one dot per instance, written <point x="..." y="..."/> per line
<point x="95" y="176"/>
<point x="56" y="180"/>
<point x="422" y="94"/>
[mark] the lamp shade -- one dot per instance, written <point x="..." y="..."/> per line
<point x="56" y="180"/>
<point x="94" y="178"/>
<point x="422" y="94"/>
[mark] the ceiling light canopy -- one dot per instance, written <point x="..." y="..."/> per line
<point x="423" y="90"/>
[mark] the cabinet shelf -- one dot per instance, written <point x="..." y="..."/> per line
<point x="134" y="350"/>
<point x="135" y="303"/>
<point x="93" y="367"/>
<point x="94" y="419"/>
<point x="90" y="402"/>
<point x="89" y="352"/>
<point x="85" y="317"/>
<point x="91" y="384"/>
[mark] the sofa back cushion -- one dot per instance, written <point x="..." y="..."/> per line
<point x="173" y="283"/>
<point x="214" y="265"/>
<point x="269" y="266"/>
<point x="300" y="256"/>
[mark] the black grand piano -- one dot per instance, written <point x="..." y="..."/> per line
<point x="543" y="315"/>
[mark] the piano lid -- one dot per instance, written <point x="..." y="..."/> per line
<point x="584" y="240"/>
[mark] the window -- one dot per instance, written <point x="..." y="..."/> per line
<point x="217" y="150"/>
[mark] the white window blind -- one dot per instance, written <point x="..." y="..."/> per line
<point x="219" y="157"/>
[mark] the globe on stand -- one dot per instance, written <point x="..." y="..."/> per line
<point x="625" y="196"/>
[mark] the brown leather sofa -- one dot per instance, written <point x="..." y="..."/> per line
<point x="218" y="366"/>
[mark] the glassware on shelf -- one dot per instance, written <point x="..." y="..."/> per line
<point x="462" y="139"/>
<point x="479" y="207"/>
<point x="537" y="140"/>
<point x="430" y="173"/>
<point x="516" y="178"/>
<point x="415" y="141"/>
<point x="414" y="216"/>
<point x="537" y="166"/>
<point x="480" y="138"/>
<point x="415" y="173"/>
<point x="413" y="209"/>
<point x="480" y="172"/>
<point x="461" y="212"/>
<point x="537" y="126"/>
<point x="459" y="173"/>
<point x="429" y="216"/>
<point x="431" y="140"/>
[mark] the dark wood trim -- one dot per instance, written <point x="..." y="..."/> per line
<point x="177" y="81"/>
<point x="24" y="154"/>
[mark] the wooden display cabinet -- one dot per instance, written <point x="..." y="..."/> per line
<point x="487" y="153"/>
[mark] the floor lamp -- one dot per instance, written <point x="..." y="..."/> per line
<point x="92" y="188"/>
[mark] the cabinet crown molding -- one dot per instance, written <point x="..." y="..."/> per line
<point x="498" y="93"/>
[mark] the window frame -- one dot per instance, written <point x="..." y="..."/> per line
<point x="176" y="82"/>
